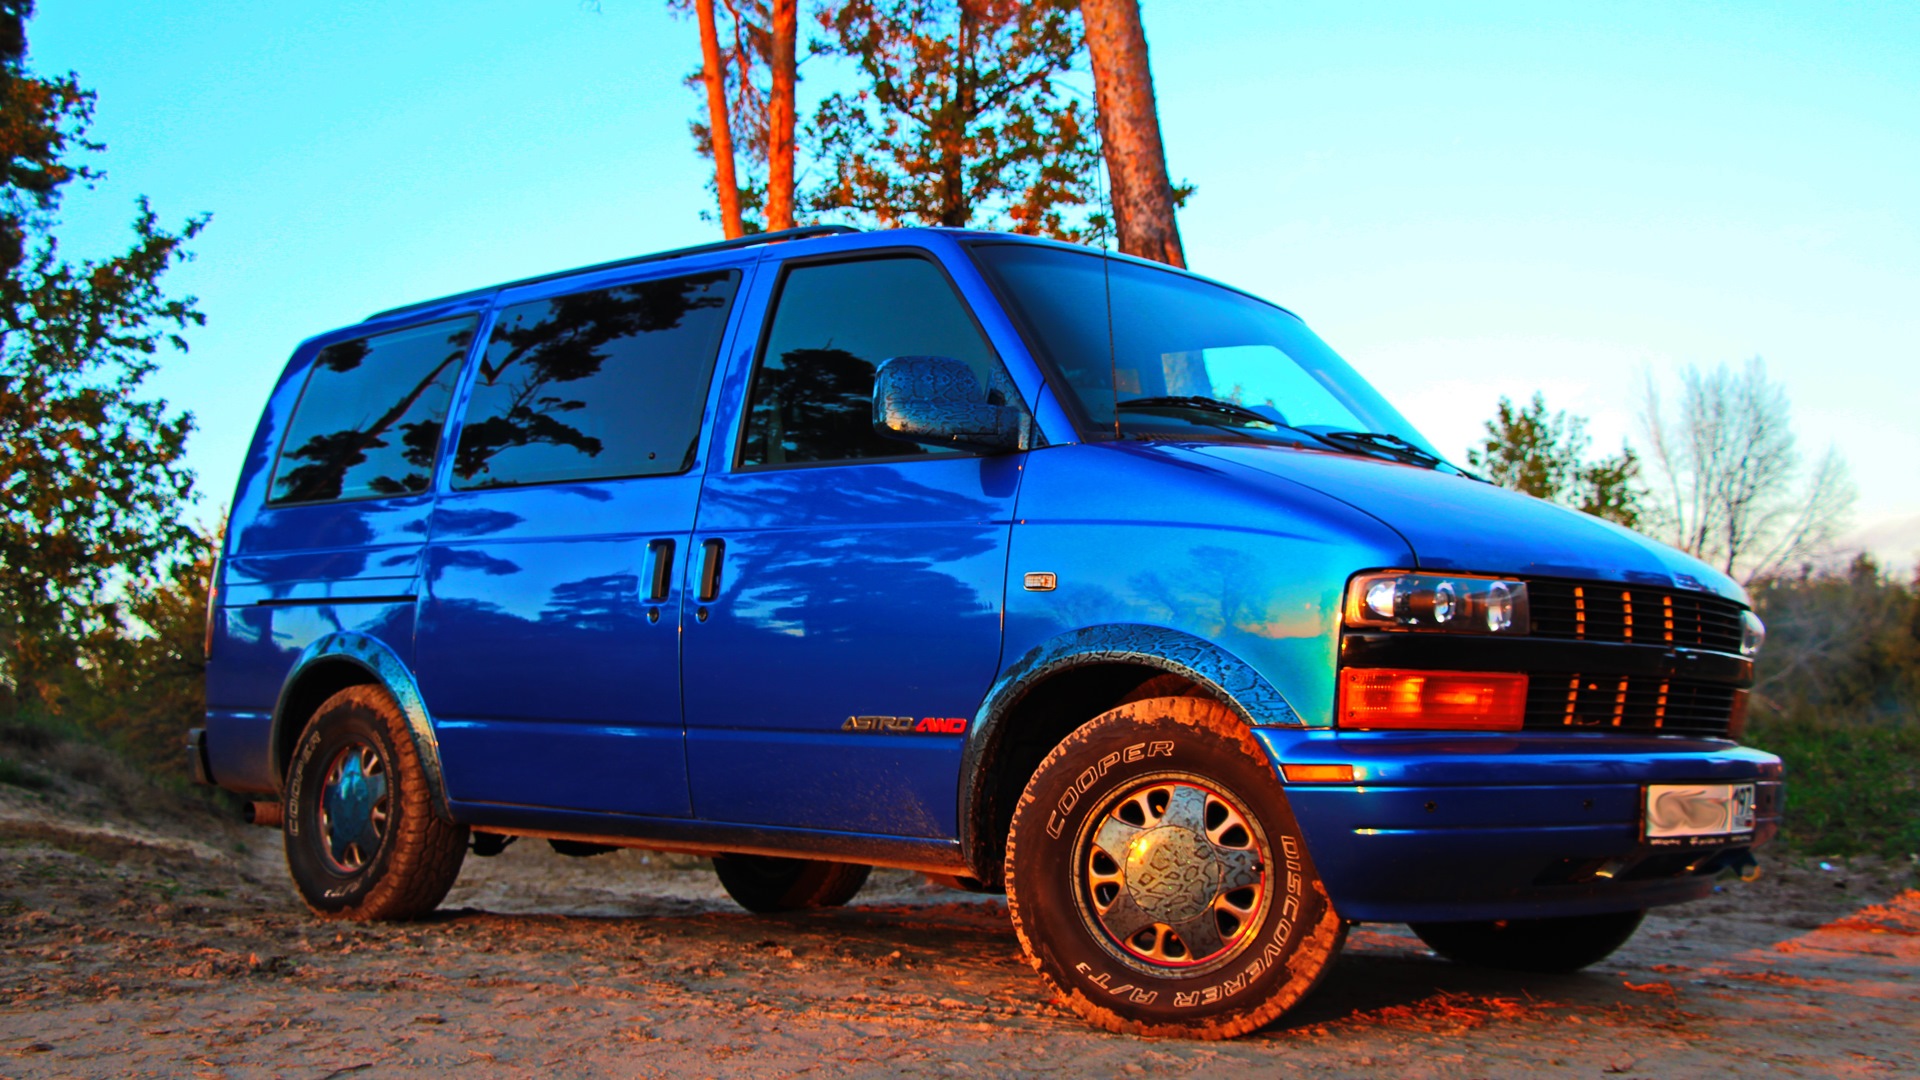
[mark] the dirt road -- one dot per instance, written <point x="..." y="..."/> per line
<point x="179" y="949"/>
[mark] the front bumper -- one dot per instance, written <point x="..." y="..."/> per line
<point x="1441" y="826"/>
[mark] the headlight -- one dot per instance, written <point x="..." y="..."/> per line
<point x="1753" y="633"/>
<point x="1454" y="603"/>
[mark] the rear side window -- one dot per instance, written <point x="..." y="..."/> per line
<point x="369" y="419"/>
<point x="595" y="385"/>
<point x="835" y="324"/>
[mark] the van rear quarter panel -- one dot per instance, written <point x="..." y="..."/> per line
<point x="1142" y="534"/>
<point x="290" y="575"/>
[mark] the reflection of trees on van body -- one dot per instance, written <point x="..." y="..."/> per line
<point x="603" y="603"/>
<point x="844" y="581"/>
<point x="328" y="457"/>
<point x="536" y="349"/>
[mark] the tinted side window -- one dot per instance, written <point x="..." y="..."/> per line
<point x="369" y="419"/>
<point x="836" y="322"/>
<point x="595" y="385"/>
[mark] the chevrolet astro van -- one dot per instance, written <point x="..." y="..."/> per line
<point x="1019" y="564"/>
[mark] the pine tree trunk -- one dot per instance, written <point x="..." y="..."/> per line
<point x="956" y="208"/>
<point x="780" y="109"/>
<point x="1130" y="131"/>
<point x="716" y="80"/>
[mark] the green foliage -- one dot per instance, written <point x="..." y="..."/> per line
<point x="1837" y="696"/>
<point x="139" y="692"/>
<point x="960" y="122"/>
<point x="1852" y="787"/>
<point x="18" y="775"/>
<point x="91" y="484"/>
<point x="1543" y="455"/>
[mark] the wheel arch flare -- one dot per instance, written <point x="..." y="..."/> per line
<point x="1144" y="649"/>
<point x="344" y="659"/>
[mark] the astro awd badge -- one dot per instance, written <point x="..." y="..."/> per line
<point x="907" y="725"/>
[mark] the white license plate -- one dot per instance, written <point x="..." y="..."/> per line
<point x="1685" y="815"/>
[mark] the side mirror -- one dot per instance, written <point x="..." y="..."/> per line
<point x="936" y="400"/>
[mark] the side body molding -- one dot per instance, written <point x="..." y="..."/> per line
<point x="376" y="659"/>
<point x="1223" y="674"/>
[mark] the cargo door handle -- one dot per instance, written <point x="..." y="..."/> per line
<point x="662" y="570"/>
<point x="712" y="553"/>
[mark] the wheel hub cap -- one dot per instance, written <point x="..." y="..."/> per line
<point x="353" y="807"/>
<point x="1173" y="875"/>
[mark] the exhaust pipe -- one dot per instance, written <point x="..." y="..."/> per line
<point x="265" y="814"/>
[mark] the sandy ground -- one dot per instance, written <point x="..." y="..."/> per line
<point x="178" y="948"/>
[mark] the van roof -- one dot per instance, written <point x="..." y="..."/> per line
<point x="750" y="240"/>
<point x="804" y="232"/>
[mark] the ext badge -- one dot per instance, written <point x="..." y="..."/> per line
<point x="907" y="725"/>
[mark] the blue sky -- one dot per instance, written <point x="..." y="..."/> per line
<point x="1467" y="200"/>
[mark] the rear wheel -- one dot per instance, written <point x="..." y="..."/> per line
<point x="362" y="839"/>
<point x="1157" y="878"/>
<point x="1563" y="944"/>
<point x="769" y="884"/>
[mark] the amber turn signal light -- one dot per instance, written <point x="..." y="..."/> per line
<point x="1389" y="698"/>
<point x="1317" y="774"/>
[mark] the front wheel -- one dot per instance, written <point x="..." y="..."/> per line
<point x="362" y="838"/>
<point x="1563" y="944"/>
<point x="1157" y="878"/>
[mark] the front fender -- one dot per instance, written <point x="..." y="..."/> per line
<point x="372" y="656"/>
<point x="1225" y="676"/>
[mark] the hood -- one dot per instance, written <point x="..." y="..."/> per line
<point x="1460" y="524"/>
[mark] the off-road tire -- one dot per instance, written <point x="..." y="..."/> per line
<point x="1170" y="748"/>
<point x="767" y="884"/>
<point x="418" y="854"/>
<point x="1561" y="944"/>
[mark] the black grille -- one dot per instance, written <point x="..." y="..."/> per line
<point x="1590" y="611"/>
<point x="1628" y="703"/>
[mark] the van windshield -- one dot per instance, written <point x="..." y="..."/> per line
<point x="1182" y="358"/>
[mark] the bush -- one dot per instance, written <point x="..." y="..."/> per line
<point x="1837" y="696"/>
<point x="1852" y="787"/>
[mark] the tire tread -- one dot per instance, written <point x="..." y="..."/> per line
<point x="426" y="849"/>
<point x="1317" y="947"/>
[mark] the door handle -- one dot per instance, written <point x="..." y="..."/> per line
<point x="662" y="570"/>
<point x="712" y="553"/>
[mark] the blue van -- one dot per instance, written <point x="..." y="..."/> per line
<point x="1025" y="566"/>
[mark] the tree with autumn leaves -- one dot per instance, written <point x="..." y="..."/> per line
<point x="747" y="74"/>
<point x="92" y="486"/>
<point x="962" y="117"/>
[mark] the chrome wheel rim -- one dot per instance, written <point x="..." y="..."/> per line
<point x="1172" y="875"/>
<point x="355" y="807"/>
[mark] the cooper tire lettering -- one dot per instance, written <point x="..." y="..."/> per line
<point x="362" y="838"/>
<point x="1139" y="919"/>
<point x="1093" y="773"/>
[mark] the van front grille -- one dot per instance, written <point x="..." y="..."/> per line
<point x="1638" y="703"/>
<point x="1592" y="611"/>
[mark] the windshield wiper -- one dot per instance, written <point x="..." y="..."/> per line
<point x="1204" y="404"/>
<point x="1380" y="443"/>
<point x="1366" y="442"/>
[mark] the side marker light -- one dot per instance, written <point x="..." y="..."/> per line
<point x="1317" y="774"/>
